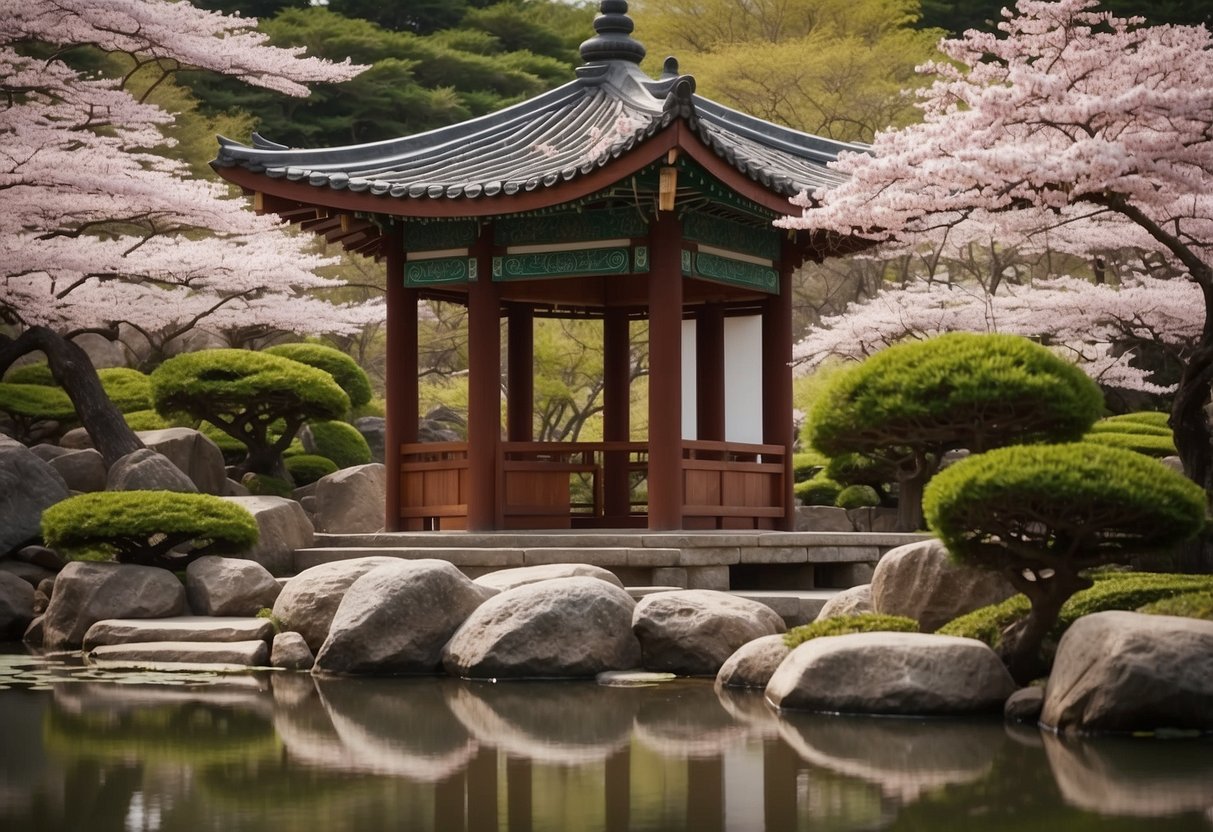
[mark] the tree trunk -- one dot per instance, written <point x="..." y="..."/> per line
<point x="111" y="436"/>
<point x="1021" y="642"/>
<point x="909" y="501"/>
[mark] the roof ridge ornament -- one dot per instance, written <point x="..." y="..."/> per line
<point x="614" y="41"/>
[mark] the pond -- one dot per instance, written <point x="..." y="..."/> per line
<point x="82" y="749"/>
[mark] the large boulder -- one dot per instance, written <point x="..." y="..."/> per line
<point x="83" y="471"/>
<point x="282" y="527"/>
<point x="504" y="579"/>
<point x="16" y="606"/>
<point x="891" y="673"/>
<point x="194" y="453"/>
<point x="374" y="431"/>
<point x="691" y="632"/>
<point x="562" y="628"/>
<point x="753" y="664"/>
<point x="352" y="500"/>
<point x="397" y="618"/>
<point x="219" y="586"/>
<point x="854" y="601"/>
<point x="1123" y="671"/>
<point x="310" y="599"/>
<point x="86" y="593"/>
<point x="148" y="470"/>
<point x="920" y="581"/>
<point x="28" y="486"/>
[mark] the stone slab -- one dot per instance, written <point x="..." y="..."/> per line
<point x="587" y="554"/>
<point x="191" y="628"/>
<point x="711" y="556"/>
<point x="652" y="557"/>
<point x="240" y="653"/>
<point x="459" y="556"/>
<point x="774" y="554"/>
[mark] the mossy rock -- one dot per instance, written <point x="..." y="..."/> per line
<point x="818" y="490"/>
<point x="145" y="527"/>
<point x="857" y="496"/>
<point x="868" y="622"/>
<point x="307" y="468"/>
<point x="1187" y="605"/>
<point x="339" y="441"/>
<point x="345" y="371"/>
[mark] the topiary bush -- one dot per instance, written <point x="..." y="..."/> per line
<point x="868" y="622"/>
<point x="857" y="496"/>
<point x="807" y="464"/>
<point x="39" y="374"/>
<point x="859" y="469"/>
<point x="307" y="468"/>
<point x="129" y="390"/>
<point x="1151" y="418"/>
<point x="345" y="371"/>
<point x="31" y="406"/>
<point x="263" y="485"/>
<point x="1042" y="514"/>
<point x="1146" y="444"/>
<point x="909" y="404"/>
<point x="818" y="490"/>
<point x="1187" y="605"/>
<point x="147" y="527"/>
<point x="339" y="441"/>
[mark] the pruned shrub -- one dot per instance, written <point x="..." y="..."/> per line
<point x="868" y="622"/>
<point x="1147" y="444"/>
<point x="129" y="390"/>
<point x="339" y="441"/>
<point x="857" y="496"/>
<point x="39" y="373"/>
<point x="152" y="528"/>
<point x="807" y="464"/>
<point x="1187" y="605"/>
<point x="345" y="371"/>
<point x="818" y="490"/>
<point x="263" y="485"/>
<point x="307" y="468"/>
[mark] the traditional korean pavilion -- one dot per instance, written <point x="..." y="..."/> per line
<point x="616" y="197"/>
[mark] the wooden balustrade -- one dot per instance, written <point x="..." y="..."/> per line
<point x="732" y="485"/>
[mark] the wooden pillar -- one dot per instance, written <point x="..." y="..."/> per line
<point x="520" y="810"/>
<point x="616" y="410"/>
<point x="709" y="372"/>
<point x="484" y="388"/>
<point x="520" y="374"/>
<point x="780" y="769"/>
<point x="705" y="794"/>
<point x="665" y="373"/>
<point x="482" y="791"/>
<point x="617" y="789"/>
<point x="777" y="378"/>
<point x="400" y="396"/>
<point x="450" y="803"/>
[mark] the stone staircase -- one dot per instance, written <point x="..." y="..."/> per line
<point x="192" y="642"/>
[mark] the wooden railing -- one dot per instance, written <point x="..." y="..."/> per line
<point x="562" y="484"/>
<point x="433" y="486"/>
<point x="732" y="485"/>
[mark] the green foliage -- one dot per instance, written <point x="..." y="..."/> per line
<point x="1146" y="444"/>
<point x="307" y="468"/>
<point x="1187" y="605"/>
<point x="341" y="442"/>
<point x="807" y="464"/>
<point x="345" y="371"/>
<point x="818" y="490"/>
<point x="1076" y="505"/>
<point x="233" y="449"/>
<point x="39" y="373"/>
<point x="129" y="390"/>
<point x="268" y="614"/>
<point x="145" y="526"/>
<point x="265" y="485"/>
<point x="36" y="402"/>
<point x="1151" y="418"/>
<point x="375" y="407"/>
<point x="857" y="496"/>
<point x="868" y="622"/>
<point x="146" y="420"/>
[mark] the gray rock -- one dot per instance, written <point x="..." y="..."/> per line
<point x="86" y="593"/>
<point x="41" y="556"/>
<point x="692" y="632"/>
<point x="854" y="601"/>
<point x="562" y="628"/>
<point x="373" y="429"/>
<point x="891" y="673"/>
<point x="16" y="606"/>
<point x="35" y="632"/>
<point x="181" y="628"/>
<point x="822" y="519"/>
<point x="83" y="470"/>
<point x="396" y="619"/>
<point x="1024" y="705"/>
<point x="1174" y="463"/>
<point x="147" y="470"/>
<point x="221" y="586"/>
<point x="1123" y="671"/>
<point x="154" y="653"/>
<point x="42" y="599"/>
<point x="28" y="486"/>
<point x="47" y="452"/>
<point x="504" y="579"/>
<point x="28" y="572"/>
<point x="235" y="489"/>
<point x="282" y="527"/>
<point x="753" y="664"/>
<point x="310" y="599"/>
<point x="76" y="439"/>
<point x="352" y="500"/>
<point x="873" y="519"/>
<point x="290" y="652"/>
<point x="193" y="453"/>
<point x="920" y="581"/>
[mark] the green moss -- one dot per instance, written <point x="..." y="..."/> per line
<point x="857" y="496"/>
<point x="265" y="485"/>
<point x="1187" y="605"/>
<point x="307" y="468"/>
<point x="345" y="371"/>
<point x="818" y="490"/>
<point x="841" y="625"/>
<point x="36" y="401"/>
<point x="341" y="442"/>
<point x="143" y="526"/>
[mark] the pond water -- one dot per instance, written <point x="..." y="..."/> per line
<point x="83" y="750"/>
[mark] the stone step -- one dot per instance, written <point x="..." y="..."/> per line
<point x="503" y="557"/>
<point x="607" y="538"/>
<point x="186" y="628"/>
<point x="794" y="606"/>
<point x="193" y="655"/>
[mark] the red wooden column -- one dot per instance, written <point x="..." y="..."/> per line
<point x="709" y="372"/>
<point x="400" y="426"/>
<point x="616" y="409"/>
<point x="777" y="378"/>
<point x="520" y="374"/>
<point x="484" y="388"/>
<point x="665" y="373"/>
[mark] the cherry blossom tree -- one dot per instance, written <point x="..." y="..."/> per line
<point x="1070" y="112"/>
<point x="100" y="226"/>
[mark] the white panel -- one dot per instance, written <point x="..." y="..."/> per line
<point x="742" y="379"/>
<point x="690" y="415"/>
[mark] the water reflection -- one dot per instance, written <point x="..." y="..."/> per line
<point x="288" y="752"/>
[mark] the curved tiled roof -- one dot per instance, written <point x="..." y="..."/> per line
<point x="609" y="109"/>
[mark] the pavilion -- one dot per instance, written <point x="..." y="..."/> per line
<point x="616" y="197"/>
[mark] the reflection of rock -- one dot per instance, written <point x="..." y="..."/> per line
<point x="558" y="723"/>
<point x="749" y="707"/>
<point x="686" y="720"/>
<point x="1124" y="776"/>
<point x="905" y="757"/>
